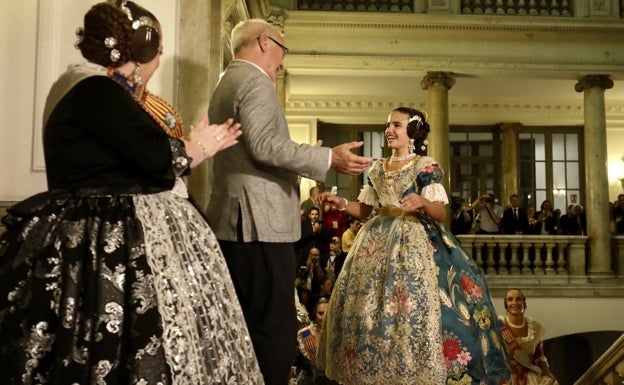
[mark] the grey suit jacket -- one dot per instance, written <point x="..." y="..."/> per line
<point x="259" y="174"/>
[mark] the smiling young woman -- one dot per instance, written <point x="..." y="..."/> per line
<point x="523" y="339"/>
<point x="409" y="307"/>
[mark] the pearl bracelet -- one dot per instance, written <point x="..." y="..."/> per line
<point x="203" y="148"/>
<point x="346" y="201"/>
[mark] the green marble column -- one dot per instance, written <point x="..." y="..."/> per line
<point x="437" y="85"/>
<point x="597" y="183"/>
<point x="510" y="160"/>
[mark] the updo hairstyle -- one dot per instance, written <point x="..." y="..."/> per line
<point x="135" y="30"/>
<point x="417" y="128"/>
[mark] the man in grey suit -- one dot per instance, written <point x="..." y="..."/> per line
<point x="254" y="206"/>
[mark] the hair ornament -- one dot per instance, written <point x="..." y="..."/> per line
<point x="110" y="43"/>
<point x="114" y="55"/>
<point x="124" y="8"/>
<point x="143" y="21"/>
<point x="417" y="119"/>
<point x="424" y="145"/>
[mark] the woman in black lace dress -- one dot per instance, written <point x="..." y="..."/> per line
<point x="112" y="276"/>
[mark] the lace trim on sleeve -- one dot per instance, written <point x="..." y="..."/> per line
<point x="435" y="192"/>
<point x="368" y="196"/>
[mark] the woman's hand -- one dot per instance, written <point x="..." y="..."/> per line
<point x="328" y="197"/>
<point x="413" y="202"/>
<point x="205" y="139"/>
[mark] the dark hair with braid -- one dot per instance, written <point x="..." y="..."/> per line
<point x="417" y="128"/>
<point x="145" y="42"/>
<point x="104" y="21"/>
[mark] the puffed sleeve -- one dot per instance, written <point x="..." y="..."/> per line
<point x="429" y="181"/>
<point x="368" y="195"/>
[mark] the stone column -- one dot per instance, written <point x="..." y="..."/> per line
<point x="596" y="179"/>
<point x="199" y="64"/>
<point x="278" y="19"/>
<point x="510" y="142"/>
<point x="437" y="85"/>
<point x="280" y="87"/>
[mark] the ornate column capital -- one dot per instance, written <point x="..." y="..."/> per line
<point x="445" y="78"/>
<point x="277" y="19"/>
<point x="513" y="127"/>
<point x="589" y="81"/>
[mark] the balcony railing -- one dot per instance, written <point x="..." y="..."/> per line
<point x="533" y="255"/>
<point x="403" y="6"/>
<point x="518" y="7"/>
<point x="534" y="8"/>
<point x="553" y="263"/>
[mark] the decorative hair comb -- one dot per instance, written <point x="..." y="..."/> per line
<point x="415" y="117"/>
<point x="141" y="21"/>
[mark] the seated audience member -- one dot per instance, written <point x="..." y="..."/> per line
<point x="487" y="214"/>
<point x="309" y="278"/>
<point x="305" y="370"/>
<point x="515" y="219"/>
<point x="325" y="290"/>
<point x="523" y="339"/>
<point x="349" y="235"/>
<point x="332" y="261"/>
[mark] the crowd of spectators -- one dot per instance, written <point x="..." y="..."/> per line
<point x="327" y="234"/>
<point x="486" y="216"/>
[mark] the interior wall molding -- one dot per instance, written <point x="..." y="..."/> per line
<point x="538" y="66"/>
<point x="436" y="22"/>
<point x="363" y="110"/>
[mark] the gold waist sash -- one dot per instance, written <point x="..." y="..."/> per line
<point x="391" y="211"/>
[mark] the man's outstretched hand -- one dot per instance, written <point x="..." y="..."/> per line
<point x="346" y="162"/>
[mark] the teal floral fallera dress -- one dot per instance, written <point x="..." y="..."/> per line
<point x="409" y="306"/>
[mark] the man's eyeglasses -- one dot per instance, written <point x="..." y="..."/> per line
<point x="282" y="46"/>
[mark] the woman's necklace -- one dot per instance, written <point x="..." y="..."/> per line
<point x="156" y="108"/>
<point x="513" y="325"/>
<point x="401" y="158"/>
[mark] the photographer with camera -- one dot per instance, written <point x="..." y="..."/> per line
<point x="309" y="278"/>
<point x="488" y="214"/>
<point x="461" y="216"/>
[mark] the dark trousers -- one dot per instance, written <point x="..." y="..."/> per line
<point x="264" y="279"/>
